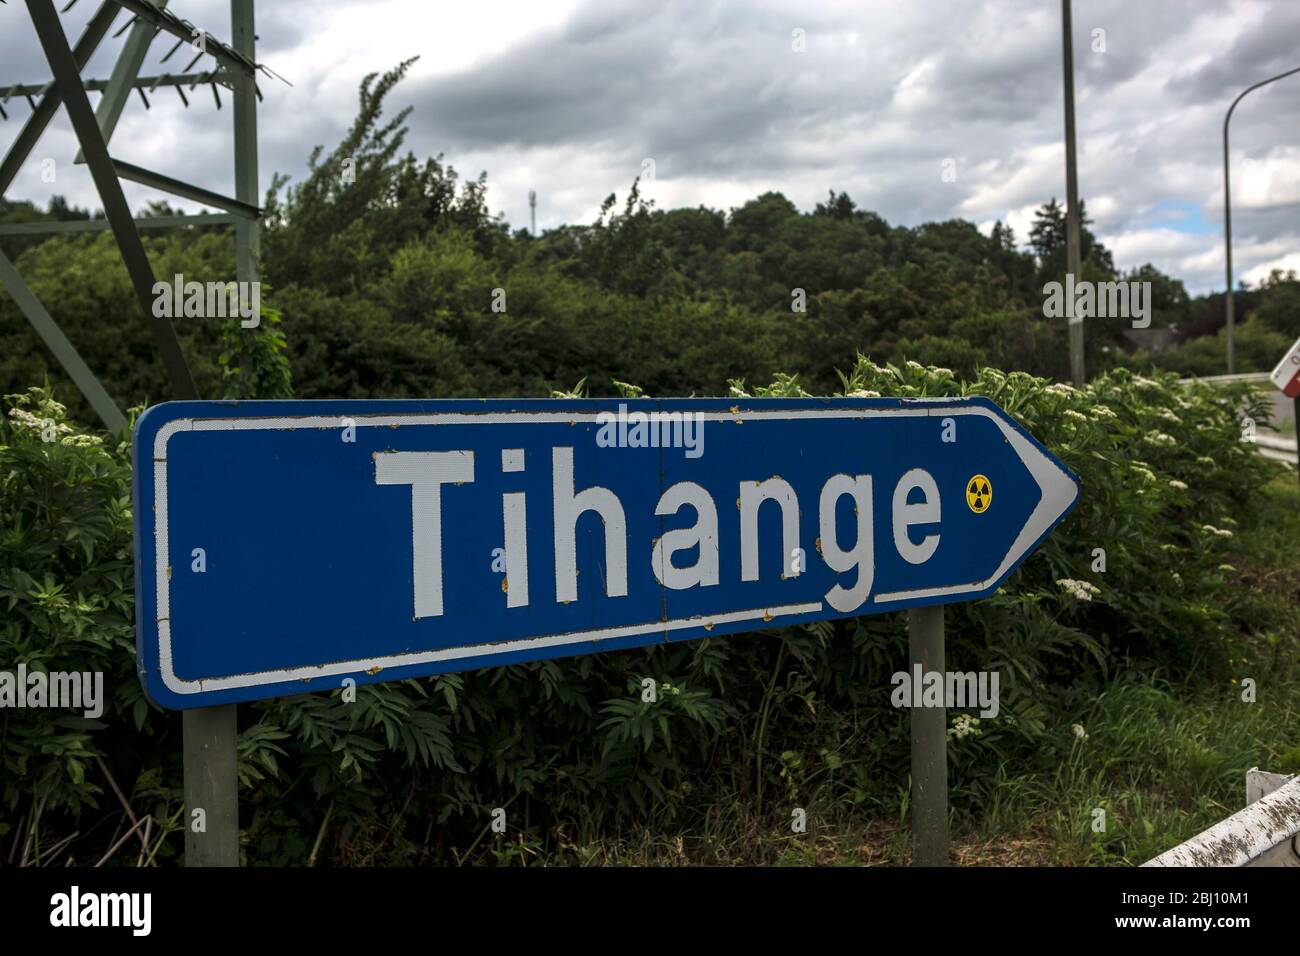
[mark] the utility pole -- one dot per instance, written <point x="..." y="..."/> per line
<point x="532" y="207"/>
<point x="1072" y="255"/>
<point x="1227" y="217"/>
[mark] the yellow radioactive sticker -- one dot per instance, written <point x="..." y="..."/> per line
<point x="979" y="494"/>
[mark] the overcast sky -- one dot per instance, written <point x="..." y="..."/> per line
<point x="573" y="97"/>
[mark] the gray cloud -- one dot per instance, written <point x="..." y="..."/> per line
<point x="715" y="94"/>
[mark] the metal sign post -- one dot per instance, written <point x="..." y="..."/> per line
<point x="929" y="744"/>
<point x="211" y="786"/>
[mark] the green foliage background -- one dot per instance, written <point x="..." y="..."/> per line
<point x="385" y="269"/>
<point x="411" y="771"/>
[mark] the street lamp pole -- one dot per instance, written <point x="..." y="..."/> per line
<point x="1227" y="214"/>
<point x="1072" y="250"/>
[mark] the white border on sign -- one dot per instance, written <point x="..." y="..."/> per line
<point x="1057" y="496"/>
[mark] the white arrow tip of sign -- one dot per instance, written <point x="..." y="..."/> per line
<point x="1059" y="491"/>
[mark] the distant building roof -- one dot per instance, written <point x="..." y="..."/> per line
<point x="1152" y="340"/>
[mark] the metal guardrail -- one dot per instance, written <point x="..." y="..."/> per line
<point x="1226" y="379"/>
<point x="1273" y="447"/>
<point x="1265" y="833"/>
<point x="1277" y="448"/>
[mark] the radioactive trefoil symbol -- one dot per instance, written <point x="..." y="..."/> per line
<point x="979" y="494"/>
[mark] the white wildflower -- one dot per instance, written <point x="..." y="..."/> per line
<point x="964" y="725"/>
<point x="1180" y="485"/>
<point x="1081" y="590"/>
<point x="1079" y="731"/>
<point x="38" y="424"/>
<point x="1145" y="472"/>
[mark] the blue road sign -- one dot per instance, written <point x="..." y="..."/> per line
<point x="284" y="547"/>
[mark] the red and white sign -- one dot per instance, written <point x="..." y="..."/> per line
<point x="1287" y="374"/>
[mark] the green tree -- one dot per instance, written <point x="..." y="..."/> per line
<point x="1047" y="237"/>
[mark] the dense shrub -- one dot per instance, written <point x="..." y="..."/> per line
<point x="745" y="724"/>
<point x="1257" y="348"/>
<point x="66" y="604"/>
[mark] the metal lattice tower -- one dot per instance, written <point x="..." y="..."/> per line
<point x="219" y="64"/>
<point x="209" y="734"/>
